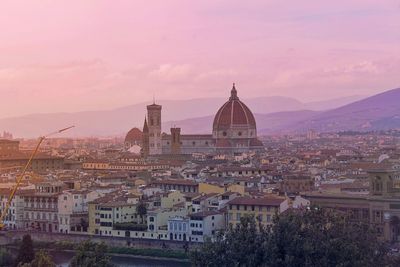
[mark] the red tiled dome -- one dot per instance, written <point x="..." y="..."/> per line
<point x="233" y="112"/>
<point x="134" y="135"/>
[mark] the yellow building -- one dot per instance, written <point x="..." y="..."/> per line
<point x="236" y="188"/>
<point x="263" y="209"/>
<point x="111" y="209"/>
<point x="96" y="165"/>
<point x="93" y="225"/>
<point x="209" y="188"/>
<point x="171" y="199"/>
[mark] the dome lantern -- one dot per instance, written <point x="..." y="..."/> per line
<point x="234" y="93"/>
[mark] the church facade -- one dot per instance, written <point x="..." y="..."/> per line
<point x="234" y="130"/>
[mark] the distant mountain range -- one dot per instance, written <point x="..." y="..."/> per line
<point x="378" y="112"/>
<point x="266" y="123"/>
<point x="193" y="116"/>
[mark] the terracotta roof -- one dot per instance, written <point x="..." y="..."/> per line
<point x="256" y="143"/>
<point x="134" y="135"/>
<point x="233" y="112"/>
<point x="223" y="143"/>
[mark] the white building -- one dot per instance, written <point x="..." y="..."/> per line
<point x="178" y="228"/>
<point x="15" y="217"/>
<point x="205" y="224"/>
<point x="73" y="210"/>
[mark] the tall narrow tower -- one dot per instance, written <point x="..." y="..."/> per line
<point x="145" y="139"/>
<point x="175" y="140"/>
<point x="154" y="124"/>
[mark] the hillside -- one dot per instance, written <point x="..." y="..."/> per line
<point x="119" y="121"/>
<point x="378" y="112"/>
<point x="266" y="123"/>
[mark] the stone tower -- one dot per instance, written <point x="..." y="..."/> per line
<point x="154" y="124"/>
<point x="145" y="139"/>
<point x="175" y="140"/>
<point x="382" y="182"/>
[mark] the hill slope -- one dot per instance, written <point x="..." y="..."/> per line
<point x="378" y="112"/>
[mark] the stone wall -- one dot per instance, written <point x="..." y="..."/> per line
<point x="8" y="237"/>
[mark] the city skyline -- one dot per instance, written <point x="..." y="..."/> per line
<point x="67" y="57"/>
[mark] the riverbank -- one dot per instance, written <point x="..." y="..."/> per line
<point x="64" y="258"/>
<point x="145" y="253"/>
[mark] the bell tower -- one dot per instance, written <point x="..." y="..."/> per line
<point x="154" y="125"/>
<point x="175" y="140"/>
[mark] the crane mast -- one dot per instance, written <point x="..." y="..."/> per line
<point x="4" y="213"/>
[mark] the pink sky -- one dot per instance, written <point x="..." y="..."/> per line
<point x="96" y="54"/>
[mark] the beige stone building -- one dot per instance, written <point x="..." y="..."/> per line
<point x="381" y="207"/>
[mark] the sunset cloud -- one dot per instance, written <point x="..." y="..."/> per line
<point x="80" y="55"/>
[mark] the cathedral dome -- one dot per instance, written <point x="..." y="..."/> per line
<point x="134" y="136"/>
<point x="234" y="119"/>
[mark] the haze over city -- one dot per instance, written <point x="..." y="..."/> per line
<point x="200" y="133"/>
<point x="68" y="56"/>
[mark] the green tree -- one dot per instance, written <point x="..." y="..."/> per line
<point x="91" y="254"/>
<point x="141" y="209"/>
<point x="25" y="253"/>
<point x="42" y="259"/>
<point x="5" y="258"/>
<point x="240" y="246"/>
<point x="313" y="237"/>
<point x="321" y="237"/>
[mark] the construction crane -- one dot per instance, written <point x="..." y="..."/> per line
<point x="19" y="179"/>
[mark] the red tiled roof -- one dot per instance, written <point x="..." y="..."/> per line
<point x="134" y="135"/>
<point x="233" y="112"/>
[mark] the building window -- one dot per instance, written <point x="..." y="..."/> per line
<point x="237" y="216"/>
<point x="224" y="133"/>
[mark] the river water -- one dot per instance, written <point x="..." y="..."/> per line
<point x="62" y="259"/>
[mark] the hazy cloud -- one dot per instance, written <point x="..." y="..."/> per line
<point x="80" y="55"/>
